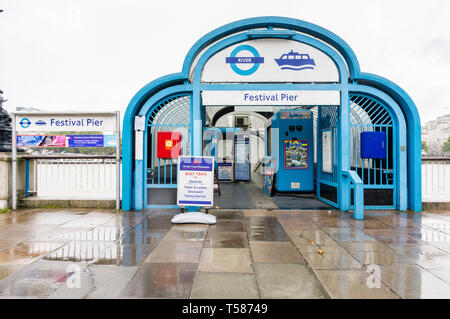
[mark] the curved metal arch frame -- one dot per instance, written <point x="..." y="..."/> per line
<point x="357" y="79"/>
<point x="149" y="106"/>
<point x="399" y="125"/>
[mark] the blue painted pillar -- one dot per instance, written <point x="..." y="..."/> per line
<point x="196" y="131"/>
<point x="344" y="151"/>
<point x="27" y="177"/>
<point x="196" y="124"/>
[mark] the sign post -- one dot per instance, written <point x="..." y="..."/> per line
<point x="64" y="121"/>
<point x="195" y="188"/>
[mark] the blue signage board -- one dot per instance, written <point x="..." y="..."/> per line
<point x="85" y="141"/>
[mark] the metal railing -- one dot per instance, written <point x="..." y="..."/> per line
<point x="436" y="179"/>
<point x="71" y="177"/>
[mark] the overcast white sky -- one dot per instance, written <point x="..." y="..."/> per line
<point x="96" y="54"/>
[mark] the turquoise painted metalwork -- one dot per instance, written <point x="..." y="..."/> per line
<point x="352" y="80"/>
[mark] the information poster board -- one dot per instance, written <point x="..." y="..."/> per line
<point x="295" y="154"/>
<point x="225" y="172"/>
<point x="327" y="151"/>
<point x="195" y="181"/>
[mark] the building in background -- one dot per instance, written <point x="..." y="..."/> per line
<point x="435" y="133"/>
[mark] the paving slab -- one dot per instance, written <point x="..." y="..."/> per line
<point x="124" y="255"/>
<point x="188" y="232"/>
<point x="263" y="228"/>
<point x="275" y="253"/>
<point x="143" y="236"/>
<point x="352" y="284"/>
<point x="26" y="253"/>
<point x="317" y="261"/>
<point x="176" y="252"/>
<point x="109" y="281"/>
<point x="287" y="281"/>
<point x="226" y="239"/>
<point x="209" y="285"/>
<point x="232" y="225"/>
<point x="391" y="236"/>
<point x="381" y="257"/>
<point x="161" y="280"/>
<point x="343" y="234"/>
<point x="6" y="270"/>
<point x="235" y="260"/>
<point x="366" y="246"/>
<point x="39" y="279"/>
<point x="411" y="281"/>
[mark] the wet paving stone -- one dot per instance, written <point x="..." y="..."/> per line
<point x="26" y="253"/>
<point x="368" y="224"/>
<point x="208" y="285"/>
<point x="343" y="260"/>
<point x="369" y="246"/>
<point x="287" y="281"/>
<point x="109" y="280"/>
<point x="125" y="221"/>
<point x="313" y="237"/>
<point x="388" y="236"/>
<point x="176" y="252"/>
<point x="345" y="284"/>
<point x="411" y="281"/>
<point x="227" y="214"/>
<point x="228" y="225"/>
<point x="330" y="222"/>
<point x="265" y="229"/>
<point x="219" y="239"/>
<point x="124" y="255"/>
<point x="275" y="253"/>
<point x="6" y="270"/>
<point x="161" y="280"/>
<point x="317" y="261"/>
<point x="39" y="279"/>
<point x="188" y="232"/>
<point x="236" y="260"/>
<point x="381" y="258"/>
<point x="143" y="236"/>
<point x="348" y="234"/>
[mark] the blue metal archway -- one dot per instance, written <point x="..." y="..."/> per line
<point x="353" y="83"/>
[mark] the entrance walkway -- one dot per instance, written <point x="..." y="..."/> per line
<point x="248" y="195"/>
<point x="249" y="254"/>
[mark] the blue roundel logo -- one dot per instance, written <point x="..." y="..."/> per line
<point x="25" y="122"/>
<point x="237" y="60"/>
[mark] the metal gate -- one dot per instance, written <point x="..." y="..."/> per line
<point x="327" y="185"/>
<point x="160" y="175"/>
<point x="378" y="175"/>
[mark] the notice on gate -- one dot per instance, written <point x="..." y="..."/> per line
<point x="195" y="181"/>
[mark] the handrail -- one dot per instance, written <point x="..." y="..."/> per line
<point x="429" y="159"/>
<point x="81" y="156"/>
<point x="358" y="198"/>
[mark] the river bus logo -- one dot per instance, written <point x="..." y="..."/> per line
<point x="239" y="56"/>
<point x="25" y="122"/>
<point x="295" y="61"/>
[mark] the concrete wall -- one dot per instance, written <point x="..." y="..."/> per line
<point x="5" y="179"/>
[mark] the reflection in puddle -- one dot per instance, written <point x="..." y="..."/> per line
<point x="82" y="251"/>
<point x="265" y="229"/>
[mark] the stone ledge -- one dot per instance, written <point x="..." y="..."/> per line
<point x="66" y="203"/>
<point x="436" y="205"/>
